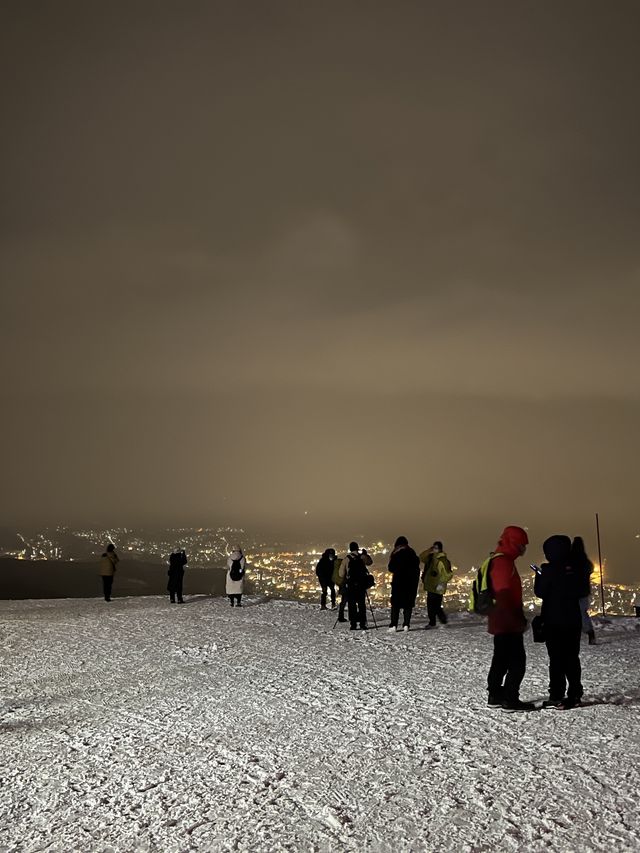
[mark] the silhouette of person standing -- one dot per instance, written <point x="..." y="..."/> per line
<point x="404" y="565"/>
<point x="177" y="562"/>
<point x="324" y="571"/>
<point x="108" y="569"/>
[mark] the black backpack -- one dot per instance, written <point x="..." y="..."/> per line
<point x="357" y="574"/>
<point x="236" y="571"/>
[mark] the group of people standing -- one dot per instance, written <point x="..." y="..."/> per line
<point x="351" y="578"/>
<point x="234" y="583"/>
<point x="563" y="584"/>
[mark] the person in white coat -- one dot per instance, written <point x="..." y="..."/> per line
<point x="236" y="568"/>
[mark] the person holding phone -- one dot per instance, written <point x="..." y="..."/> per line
<point x="561" y="585"/>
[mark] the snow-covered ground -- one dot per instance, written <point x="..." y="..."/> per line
<point x="140" y="726"/>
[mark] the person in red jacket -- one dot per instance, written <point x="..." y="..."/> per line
<point x="507" y="623"/>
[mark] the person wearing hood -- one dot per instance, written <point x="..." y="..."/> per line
<point x="236" y="568"/>
<point x="580" y="560"/>
<point x="324" y="571"/>
<point x="353" y="580"/>
<point x="436" y="575"/>
<point x="561" y="585"/>
<point x="507" y="623"/>
<point x="404" y="565"/>
<point x="108" y="563"/>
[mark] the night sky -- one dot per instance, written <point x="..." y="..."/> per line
<point x="376" y="265"/>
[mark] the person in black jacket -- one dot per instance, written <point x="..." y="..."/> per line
<point x="177" y="562"/>
<point x="404" y="565"/>
<point x="561" y="586"/>
<point x="324" y="571"/>
<point x="354" y="571"/>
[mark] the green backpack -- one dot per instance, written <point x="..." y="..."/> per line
<point x="336" y="579"/>
<point x="481" y="598"/>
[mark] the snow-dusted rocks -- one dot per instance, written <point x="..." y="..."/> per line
<point x="137" y="726"/>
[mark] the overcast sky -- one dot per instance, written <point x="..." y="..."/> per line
<point x="378" y="265"/>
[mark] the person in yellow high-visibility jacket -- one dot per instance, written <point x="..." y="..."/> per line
<point x="436" y="575"/>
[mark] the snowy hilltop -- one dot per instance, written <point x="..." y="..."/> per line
<point x="138" y="726"/>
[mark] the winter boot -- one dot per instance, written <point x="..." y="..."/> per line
<point x="568" y="704"/>
<point x="495" y="699"/>
<point x="518" y="705"/>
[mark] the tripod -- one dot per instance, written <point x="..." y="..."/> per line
<point x="375" y="624"/>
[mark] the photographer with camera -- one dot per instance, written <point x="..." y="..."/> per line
<point x="355" y="581"/>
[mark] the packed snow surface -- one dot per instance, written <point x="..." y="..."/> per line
<point x="143" y="726"/>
